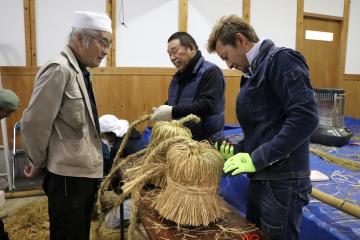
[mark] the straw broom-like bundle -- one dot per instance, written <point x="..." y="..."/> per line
<point x="193" y="171"/>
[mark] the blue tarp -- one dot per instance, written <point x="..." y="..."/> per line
<point x="320" y="221"/>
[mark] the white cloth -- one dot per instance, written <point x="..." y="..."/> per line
<point x="92" y="20"/>
<point x="112" y="219"/>
<point x="110" y="123"/>
<point x="162" y="113"/>
<point x="2" y="198"/>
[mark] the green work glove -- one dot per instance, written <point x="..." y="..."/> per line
<point x="226" y="149"/>
<point x="239" y="163"/>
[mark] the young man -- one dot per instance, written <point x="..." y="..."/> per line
<point x="277" y="110"/>
<point x="198" y="88"/>
<point x="60" y="127"/>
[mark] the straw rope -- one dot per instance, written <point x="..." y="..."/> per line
<point x="338" y="203"/>
<point x="350" y="164"/>
<point x="127" y="136"/>
<point x="191" y="189"/>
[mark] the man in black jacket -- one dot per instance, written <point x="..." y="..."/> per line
<point x="196" y="88"/>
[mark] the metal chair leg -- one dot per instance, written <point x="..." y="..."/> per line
<point x="122" y="223"/>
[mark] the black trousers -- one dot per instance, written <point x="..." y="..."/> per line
<point x="3" y="234"/>
<point x="71" y="200"/>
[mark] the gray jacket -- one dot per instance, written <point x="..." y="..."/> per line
<point x="57" y="129"/>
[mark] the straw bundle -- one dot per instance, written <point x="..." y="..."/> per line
<point x="138" y="176"/>
<point x="162" y="131"/>
<point x="193" y="171"/>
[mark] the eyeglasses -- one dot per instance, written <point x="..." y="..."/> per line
<point x="104" y="42"/>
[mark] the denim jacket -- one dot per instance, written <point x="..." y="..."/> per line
<point x="277" y="110"/>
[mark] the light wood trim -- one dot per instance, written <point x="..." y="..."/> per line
<point x="149" y="71"/>
<point x="246" y="10"/>
<point x="300" y="25"/>
<point x="183" y="15"/>
<point x="323" y="16"/>
<point x="27" y="32"/>
<point x="111" y="11"/>
<point x="133" y="71"/>
<point x="344" y="37"/>
<point x="33" y="34"/>
<point x="351" y="77"/>
<point x="23" y="71"/>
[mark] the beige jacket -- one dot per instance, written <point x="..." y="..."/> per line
<point x="57" y="129"/>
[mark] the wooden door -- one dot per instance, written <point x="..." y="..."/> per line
<point x="323" y="57"/>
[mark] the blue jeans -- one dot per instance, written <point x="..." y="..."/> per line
<point x="275" y="206"/>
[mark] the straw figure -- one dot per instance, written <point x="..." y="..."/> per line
<point x="193" y="171"/>
<point x="161" y="131"/>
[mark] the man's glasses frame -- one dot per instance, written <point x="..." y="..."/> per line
<point x="104" y="42"/>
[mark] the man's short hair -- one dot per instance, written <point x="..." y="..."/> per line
<point x="185" y="39"/>
<point x="226" y="29"/>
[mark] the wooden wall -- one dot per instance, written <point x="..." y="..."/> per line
<point x="132" y="92"/>
<point x="125" y="92"/>
<point x="351" y="84"/>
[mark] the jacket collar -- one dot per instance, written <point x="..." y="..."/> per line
<point x="263" y="50"/>
<point x="80" y="79"/>
<point x="72" y="59"/>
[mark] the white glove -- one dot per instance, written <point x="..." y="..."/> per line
<point x="162" y="113"/>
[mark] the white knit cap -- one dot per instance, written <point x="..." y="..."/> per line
<point x="110" y="123"/>
<point x="92" y="20"/>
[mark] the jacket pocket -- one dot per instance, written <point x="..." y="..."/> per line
<point x="75" y="153"/>
<point x="72" y="114"/>
<point x="296" y="86"/>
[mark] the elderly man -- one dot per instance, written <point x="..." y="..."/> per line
<point x="60" y="127"/>
<point x="9" y="102"/>
<point x="198" y="88"/>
